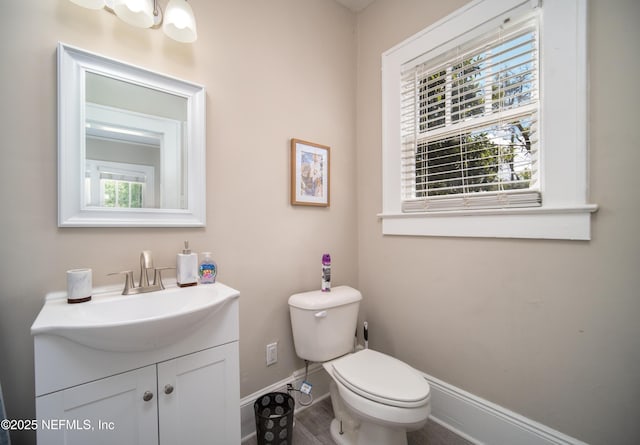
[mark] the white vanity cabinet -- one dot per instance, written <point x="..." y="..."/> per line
<point x="198" y="398"/>
<point x="109" y="410"/>
<point x="184" y="393"/>
<point x="185" y="400"/>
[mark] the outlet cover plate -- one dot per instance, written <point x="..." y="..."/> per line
<point x="272" y="353"/>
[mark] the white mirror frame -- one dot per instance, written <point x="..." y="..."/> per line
<point x="73" y="63"/>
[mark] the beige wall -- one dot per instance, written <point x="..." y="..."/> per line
<point x="548" y="329"/>
<point x="273" y="70"/>
<point x="553" y="336"/>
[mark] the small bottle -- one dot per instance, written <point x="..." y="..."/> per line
<point x="187" y="267"/>
<point x="208" y="269"/>
<point x="326" y="272"/>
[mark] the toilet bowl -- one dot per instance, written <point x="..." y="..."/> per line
<point x="376" y="398"/>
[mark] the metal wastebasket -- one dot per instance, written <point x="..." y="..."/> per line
<point x="274" y="418"/>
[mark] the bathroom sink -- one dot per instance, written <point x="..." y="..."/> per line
<point x="115" y="322"/>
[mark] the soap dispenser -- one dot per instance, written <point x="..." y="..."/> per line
<point x="208" y="269"/>
<point x="187" y="267"/>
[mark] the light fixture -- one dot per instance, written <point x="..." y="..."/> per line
<point x="135" y="12"/>
<point x="179" y="21"/>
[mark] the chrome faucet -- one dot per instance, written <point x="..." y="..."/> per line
<point x="144" y="285"/>
<point x="146" y="263"/>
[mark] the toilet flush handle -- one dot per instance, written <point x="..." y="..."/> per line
<point x="321" y="314"/>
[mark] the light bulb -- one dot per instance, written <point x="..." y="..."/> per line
<point x="135" y="12"/>
<point x="179" y="22"/>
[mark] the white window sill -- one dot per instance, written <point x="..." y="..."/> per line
<point x="573" y="223"/>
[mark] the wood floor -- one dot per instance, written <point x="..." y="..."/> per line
<point x="312" y="428"/>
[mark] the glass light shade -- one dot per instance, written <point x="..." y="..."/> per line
<point x="179" y="22"/>
<point x="135" y="12"/>
<point x="91" y="4"/>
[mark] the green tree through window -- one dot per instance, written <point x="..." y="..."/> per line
<point x="122" y="194"/>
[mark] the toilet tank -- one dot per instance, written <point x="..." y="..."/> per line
<point x="324" y="323"/>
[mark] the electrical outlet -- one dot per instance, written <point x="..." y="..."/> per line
<point x="272" y="353"/>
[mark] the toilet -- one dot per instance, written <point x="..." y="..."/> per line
<point x="376" y="398"/>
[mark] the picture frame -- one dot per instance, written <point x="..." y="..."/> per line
<point x="310" y="173"/>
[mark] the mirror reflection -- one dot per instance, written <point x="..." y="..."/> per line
<point x="135" y="146"/>
<point x="131" y="145"/>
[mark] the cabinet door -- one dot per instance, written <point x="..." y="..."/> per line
<point x="199" y="398"/>
<point x="108" y="411"/>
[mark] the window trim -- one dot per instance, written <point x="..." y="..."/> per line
<point x="565" y="213"/>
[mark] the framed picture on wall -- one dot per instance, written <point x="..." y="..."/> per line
<point x="309" y="173"/>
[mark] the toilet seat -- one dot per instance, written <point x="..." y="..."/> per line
<point x="381" y="378"/>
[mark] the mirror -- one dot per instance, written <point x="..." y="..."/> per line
<point x="131" y="145"/>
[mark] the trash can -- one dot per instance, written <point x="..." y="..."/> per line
<point x="274" y="418"/>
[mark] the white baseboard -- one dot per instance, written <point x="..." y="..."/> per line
<point x="482" y="422"/>
<point x="471" y="417"/>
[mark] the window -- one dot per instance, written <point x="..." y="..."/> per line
<point x="119" y="185"/>
<point x="484" y="124"/>
<point x="469" y="125"/>
<point x="123" y="194"/>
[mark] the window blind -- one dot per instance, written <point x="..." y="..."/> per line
<point x="469" y="125"/>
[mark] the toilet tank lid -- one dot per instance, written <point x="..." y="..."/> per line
<point x="318" y="300"/>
